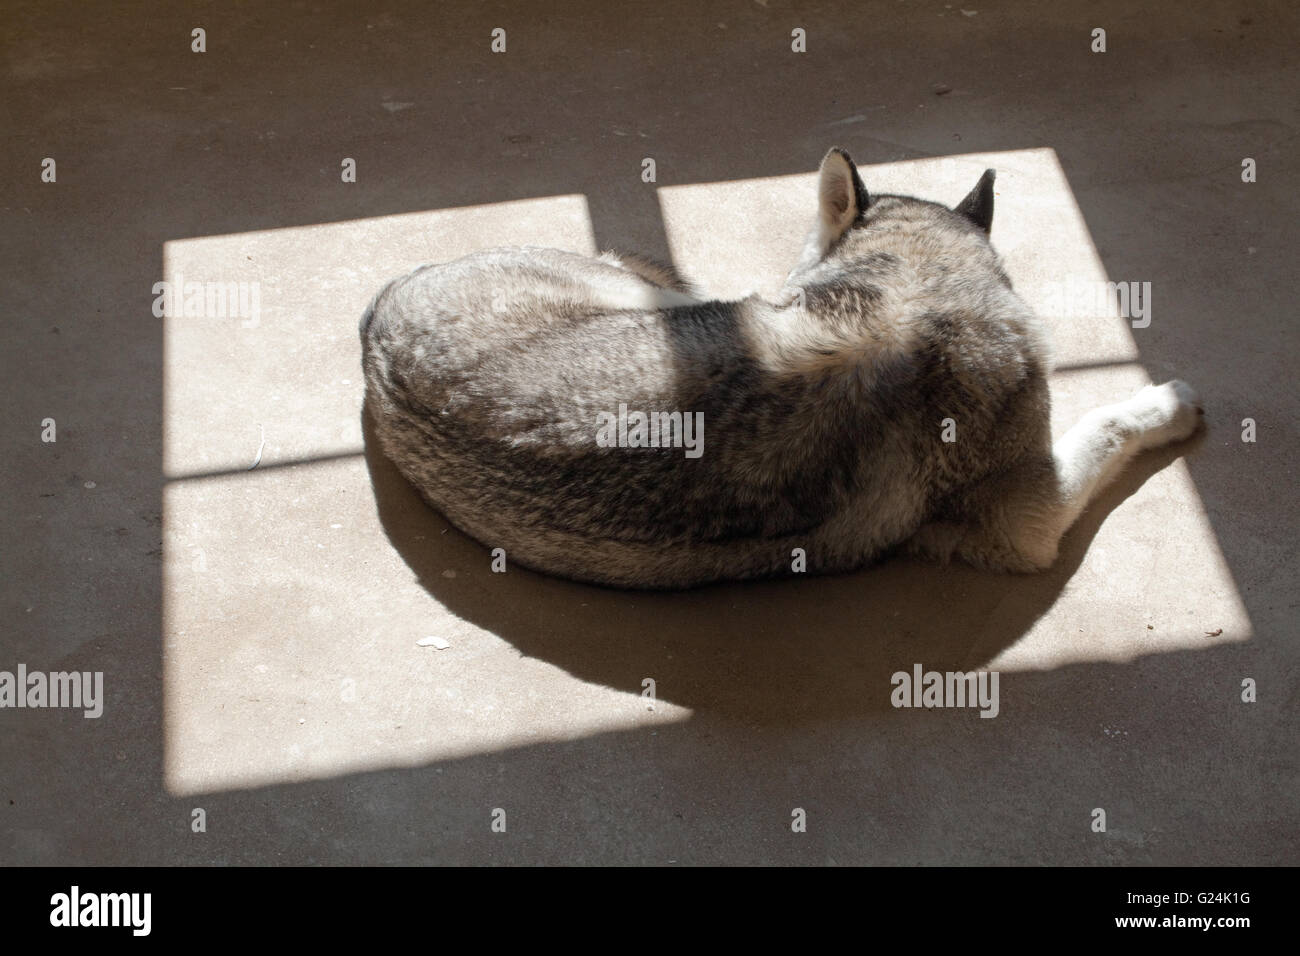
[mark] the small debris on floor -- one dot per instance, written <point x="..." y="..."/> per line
<point x="1214" y="633"/>
<point x="449" y="573"/>
<point x="437" y="642"/>
<point x="261" y="445"/>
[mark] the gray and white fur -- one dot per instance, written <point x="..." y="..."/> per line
<point x="824" y="412"/>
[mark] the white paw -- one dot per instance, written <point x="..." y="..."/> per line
<point x="1167" y="413"/>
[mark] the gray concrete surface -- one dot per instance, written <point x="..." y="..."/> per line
<point x="257" y="628"/>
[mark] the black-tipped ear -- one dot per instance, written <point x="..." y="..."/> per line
<point x="841" y="197"/>
<point x="978" y="205"/>
<point x="860" y="198"/>
<point x="859" y="193"/>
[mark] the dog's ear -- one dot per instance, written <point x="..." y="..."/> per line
<point x="841" y="197"/>
<point x="978" y="205"/>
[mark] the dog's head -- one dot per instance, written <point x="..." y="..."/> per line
<point x="849" y="219"/>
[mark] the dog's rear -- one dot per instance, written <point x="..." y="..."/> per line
<point x="896" y="393"/>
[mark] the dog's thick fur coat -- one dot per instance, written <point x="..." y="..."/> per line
<point x="895" y="394"/>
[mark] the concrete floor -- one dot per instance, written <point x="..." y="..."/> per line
<point x="257" y="629"/>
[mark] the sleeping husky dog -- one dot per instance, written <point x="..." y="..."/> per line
<point x="599" y="420"/>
